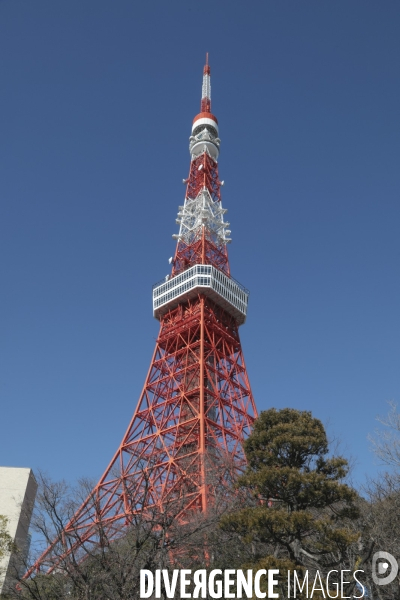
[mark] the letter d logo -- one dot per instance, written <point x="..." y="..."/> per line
<point x="380" y="568"/>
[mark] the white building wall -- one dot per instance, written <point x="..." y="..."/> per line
<point x="17" y="495"/>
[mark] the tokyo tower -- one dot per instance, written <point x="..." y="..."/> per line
<point x="196" y="407"/>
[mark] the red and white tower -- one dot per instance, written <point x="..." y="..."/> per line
<point x="196" y="407"/>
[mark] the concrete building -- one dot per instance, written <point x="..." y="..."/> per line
<point x="17" y="495"/>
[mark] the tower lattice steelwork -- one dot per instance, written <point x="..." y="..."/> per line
<point x="196" y="407"/>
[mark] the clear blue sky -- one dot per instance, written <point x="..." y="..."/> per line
<point x="97" y="99"/>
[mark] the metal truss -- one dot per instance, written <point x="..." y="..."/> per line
<point x="196" y="408"/>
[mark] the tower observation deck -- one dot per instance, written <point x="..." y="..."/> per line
<point x="206" y="280"/>
<point x="196" y="407"/>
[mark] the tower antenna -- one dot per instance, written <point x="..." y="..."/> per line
<point x="206" y="88"/>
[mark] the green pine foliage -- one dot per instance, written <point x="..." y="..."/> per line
<point x="302" y="515"/>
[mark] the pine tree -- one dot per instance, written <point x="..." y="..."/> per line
<point x="302" y="517"/>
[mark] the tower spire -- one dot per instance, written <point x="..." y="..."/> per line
<point x="206" y="88"/>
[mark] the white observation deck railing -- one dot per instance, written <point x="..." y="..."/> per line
<point x="203" y="279"/>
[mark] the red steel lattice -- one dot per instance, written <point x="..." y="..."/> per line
<point x="196" y="401"/>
